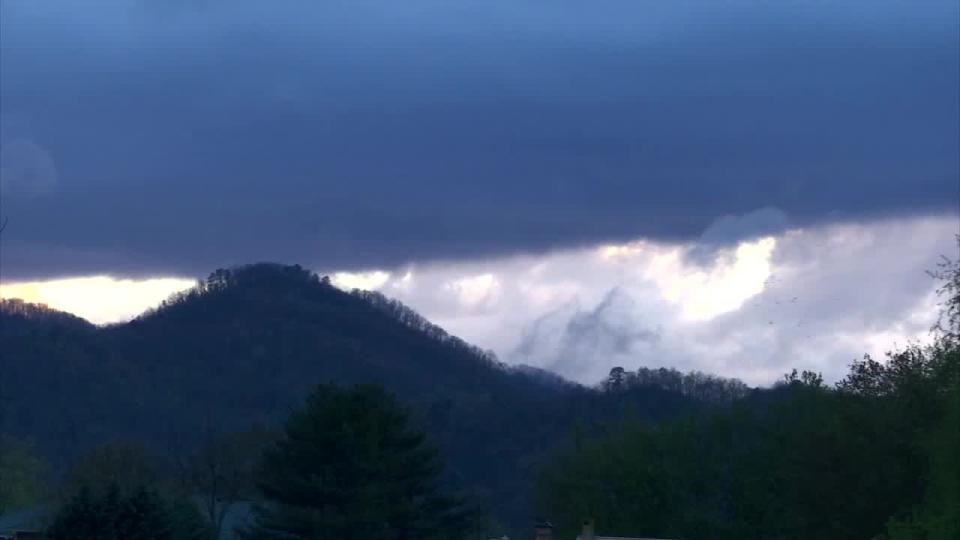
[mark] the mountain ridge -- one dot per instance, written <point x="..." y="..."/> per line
<point x="246" y="344"/>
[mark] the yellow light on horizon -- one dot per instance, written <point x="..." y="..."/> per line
<point x="98" y="299"/>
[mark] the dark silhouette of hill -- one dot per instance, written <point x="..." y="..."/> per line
<point x="247" y="344"/>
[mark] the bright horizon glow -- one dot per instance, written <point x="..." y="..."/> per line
<point x="99" y="299"/>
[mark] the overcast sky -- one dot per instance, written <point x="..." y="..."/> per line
<point x="480" y="139"/>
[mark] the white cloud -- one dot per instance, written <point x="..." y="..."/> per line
<point x="370" y="281"/>
<point x="475" y="292"/>
<point x="735" y="276"/>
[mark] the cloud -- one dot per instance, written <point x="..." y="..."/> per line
<point x="192" y="135"/>
<point x="475" y="292"/>
<point x="809" y="297"/>
<point x="573" y="340"/>
<point x="360" y="280"/>
<point x="732" y="277"/>
<point x="26" y="169"/>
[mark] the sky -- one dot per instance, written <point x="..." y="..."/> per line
<point x="734" y="186"/>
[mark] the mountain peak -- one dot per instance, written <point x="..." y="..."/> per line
<point x="264" y="274"/>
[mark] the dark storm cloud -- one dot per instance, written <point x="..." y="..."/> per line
<point x="188" y="135"/>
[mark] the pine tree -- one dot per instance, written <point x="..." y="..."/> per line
<point x="349" y="467"/>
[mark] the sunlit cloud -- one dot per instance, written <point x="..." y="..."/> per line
<point x="704" y="294"/>
<point x="368" y="281"/>
<point x="701" y="291"/>
<point x="475" y="291"/>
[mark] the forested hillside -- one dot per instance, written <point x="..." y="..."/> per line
<point x="196" y="390"/>
<point x="247" y="344"/>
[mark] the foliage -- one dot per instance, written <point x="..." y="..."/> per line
<point x="21" y="474"/>
<point x="141" y="515"/>
<point x="948" y="272"/>
<point x="799" y="460"/>
<point x="351" y="466"/>
<point x="695" y="385"/>
<point x="937" y="515"/>
<point x="124" y="466"/>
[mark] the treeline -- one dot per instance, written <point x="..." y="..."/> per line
<point x="695" y="384"/>
<point x="402" y="313"/>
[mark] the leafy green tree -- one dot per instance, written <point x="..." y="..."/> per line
<point x="142" y="515"/>
<point x="21" y="474"/>
<point x="350" y="466"/>
<point x="938" y="516"/>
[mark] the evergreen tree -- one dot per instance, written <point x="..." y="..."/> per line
<point x="350" y="466"/>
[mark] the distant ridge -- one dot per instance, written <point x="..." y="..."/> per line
<point x="28" y="310"/>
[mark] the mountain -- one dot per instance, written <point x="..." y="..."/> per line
<point x="247" y="344"/>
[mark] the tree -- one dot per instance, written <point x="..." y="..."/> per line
<point x="937" y="517"/>
<point x="616" y="380"/>
<point x="142" y="515"/>
<point x="222" y="471"/>
<point x="21" y="474"/>
<point x="948" y="272"/>
<point x="122" y="465"/>
<point x="350" y="466"/>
